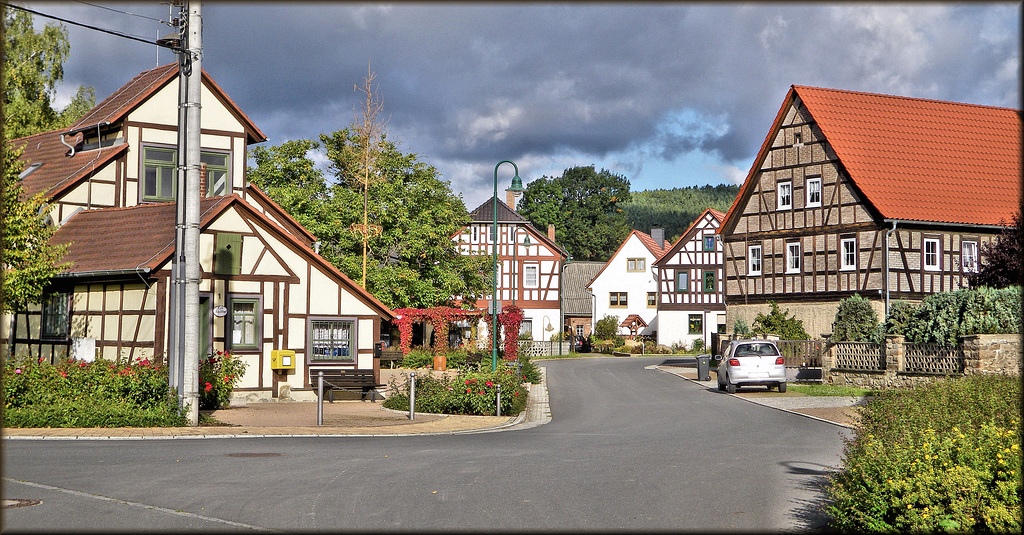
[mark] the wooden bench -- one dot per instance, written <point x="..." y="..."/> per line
<point x="345" y="380"/>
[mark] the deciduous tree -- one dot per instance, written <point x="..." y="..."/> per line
<point x="1001" y="263"/>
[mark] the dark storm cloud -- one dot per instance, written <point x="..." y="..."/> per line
<point x="638" y="87"/>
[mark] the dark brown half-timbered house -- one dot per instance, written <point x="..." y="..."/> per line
<point x="888" y="197"/>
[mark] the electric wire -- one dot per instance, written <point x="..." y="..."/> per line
<point x="104" y="30"/>
<point x="125" y="12"/>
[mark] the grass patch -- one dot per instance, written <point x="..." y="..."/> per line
<point x="830" y="390"/>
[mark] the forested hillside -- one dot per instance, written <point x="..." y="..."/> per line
<point x="675" y="209"/>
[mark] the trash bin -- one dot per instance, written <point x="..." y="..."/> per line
<point x="703" y="367"/>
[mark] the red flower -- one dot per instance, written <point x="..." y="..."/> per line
<point x="63" y="373"/>
<point x="227" y="379"/>
<point x="488" y="383"/>
<point x="209" y="387"/>
<point x="481" y="392"/>
<point x="515" y="393"/>
<point x="145" y="362"/>
<point x="468" y="390"/>
<point x="40" y="360"/>
<point x="18" y="370"/>
<point x="467" y="381"/>
<point x="81" y="364"/>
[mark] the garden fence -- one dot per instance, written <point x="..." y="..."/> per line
<point x="858" y="356"/>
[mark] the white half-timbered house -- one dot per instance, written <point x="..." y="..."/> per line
<point x="691" y="297"/>
<point x="885" y="196"/>
<point x="627" y="285"/>
<point x="111" y="181"/>
<point x="529" y="276"/>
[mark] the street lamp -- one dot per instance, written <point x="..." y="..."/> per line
<point x="561" y="317"/>
<point x="517" y="186"/>
<point x="515" y="263"/>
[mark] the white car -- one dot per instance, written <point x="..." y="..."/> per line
<point x="750" y="363"/>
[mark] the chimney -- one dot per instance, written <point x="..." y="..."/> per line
<point x="658" y="235"/>
<point x="551" y="232"/>
<point x="510" y="199"/>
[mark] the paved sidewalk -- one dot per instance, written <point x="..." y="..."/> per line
<point x="839" y="410"/>
<point x="298" y="418"/>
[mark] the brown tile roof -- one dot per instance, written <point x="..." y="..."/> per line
<point x="633" y="320"/>
<point x="653" y="246"/>
<point x="917" y="159"/>
<point x="485" y="214"/>
<point x="57" y="171"/>
<point x="644" y="238"/>
<point x="138" y="89"/>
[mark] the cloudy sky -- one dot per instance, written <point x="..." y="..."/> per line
<point x="666" y="94"/>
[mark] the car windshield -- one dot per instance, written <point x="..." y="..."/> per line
<point x="767" y="350"/>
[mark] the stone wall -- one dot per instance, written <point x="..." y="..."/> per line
<point x="992" y="353"/>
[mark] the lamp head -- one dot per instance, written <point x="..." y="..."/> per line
<point x="526" y="241"/>
<point x="517" y="186"/>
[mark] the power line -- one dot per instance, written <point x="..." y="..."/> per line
<point x="124" y="12"/>
<point x="104" y="30"/>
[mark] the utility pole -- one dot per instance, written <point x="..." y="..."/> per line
<point x="190" y="361"/>
<point x="175" y="373"/>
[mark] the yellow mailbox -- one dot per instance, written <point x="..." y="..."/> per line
<point x="282" y="359"/>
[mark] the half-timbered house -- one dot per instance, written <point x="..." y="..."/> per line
<point x="111" y="182"/>
<point x="691" y="296"/>
<point x="888" y="197"/>
<point x="529" y="265"/>
<point x="627" y="284"/>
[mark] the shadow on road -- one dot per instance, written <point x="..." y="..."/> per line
<point x="810" y="515"/>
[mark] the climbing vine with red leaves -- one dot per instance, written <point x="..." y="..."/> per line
<point x="510" y="319"/>
<point x="440" y="317"/>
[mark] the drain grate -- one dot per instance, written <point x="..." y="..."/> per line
<point x="248" y="454"/>
<point x="17" y="502"/>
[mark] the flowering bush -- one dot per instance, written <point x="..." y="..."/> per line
<point x="88" y="394"/>
<point x="470" y="392"/>
<point x="218" y="375"/>
<point x="940" y="457"/>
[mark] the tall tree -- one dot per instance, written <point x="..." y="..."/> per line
<point x="585" y="206"/>
<point x="1001" y="263"/>
<point x="28" y="260"/>
<point x="676" y="209"/>
<point x="33" y="68"/>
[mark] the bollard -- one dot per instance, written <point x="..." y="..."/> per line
<point x="498" y="410"/>
<point x="412" y="395"/>
<point x="320" y="398"/>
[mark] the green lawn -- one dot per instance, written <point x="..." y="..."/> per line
<point x="830" y="390"/>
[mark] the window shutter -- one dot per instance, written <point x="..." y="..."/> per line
<point x="227" y="257"/>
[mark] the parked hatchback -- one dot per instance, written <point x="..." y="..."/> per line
<point x="751" y="363"/>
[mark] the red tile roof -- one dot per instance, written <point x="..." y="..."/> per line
<point x="57" y="171"/>
<point x="686" y="235"/>
<point x="917" y="159"/>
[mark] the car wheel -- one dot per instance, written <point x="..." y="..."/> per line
<point x="729" y="387"/>
<point x="721" y="387"/>
<point x="782" y="388"/>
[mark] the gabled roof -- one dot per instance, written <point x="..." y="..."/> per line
<point x="142" y="238"/>
<point x="57" y="172"/>
<point x="916" y="159"/>
<point x="674" y="248"/>
<point x="644" y="238"/>
<point x="280" y="213"/>
<point x="576" y="300"/>
<point x="485" y="214"/>
<point x="633" y="320"/>
<point x="121" y="102"/>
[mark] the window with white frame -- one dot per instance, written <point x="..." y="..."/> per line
<point x="636" y="264"/>
<point x="754" y="260"/>
<point x="530" y="277"/>
<point x="813" y="192"/>
<point x="930" y="252"/>
<point x="969" y="257"/>
<point x="793" y="257"/>
<point x="331" y="339"/>
<point x="785" y="196"/>
<point x="848" y="253"/>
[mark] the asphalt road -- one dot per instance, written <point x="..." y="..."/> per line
<point x="628" y="448"/>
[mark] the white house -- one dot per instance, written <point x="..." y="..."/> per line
<point x="691" y="303"/>
<point x="627" y="285"/>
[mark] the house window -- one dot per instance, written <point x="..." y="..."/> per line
<point x="227" y="256"/>
<point x="785" y="196"/>
<point x="617" y="299"/>
<point x="579" y="331"/>
<point x="813" y="192"/>
<point x="331" y="339"/>
<point x="709" y="242"/>
<point x="848" y="253"/>
<point x="56" y="319"/>
<point x="931" y="254"/>
<point x="474" y="233"/>
<point x="526" y="327"/>
<point x="217" y="178"/>
<point x="793" y="257"/>
<point x="652" y="299"/>
<point x="682" y="281"/>
<point x="636" y="264"/>
<point x="797" y="139"/>
<point x="158" y="174"/>
<point x="709" y="281"/>
<point x="696" y="324"/>
<point x="530" y="279"/>
<point x="754" y="260"/>
<point x="969" y="258"/>
<point x="244" y="322"/>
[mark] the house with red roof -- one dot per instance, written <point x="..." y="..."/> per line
<point x="691" y="296"/>
<point x="884" y="196"/>
<point x="529" y="273"/>
<point x="111" y="182"/>
<point x="626" y="287"/>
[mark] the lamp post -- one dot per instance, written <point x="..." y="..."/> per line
<point x="517" y="185"/>
<point x="515" y="263"/>
<point x="561" y="317"/>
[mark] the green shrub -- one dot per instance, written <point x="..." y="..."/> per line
<point x="418" y="357"/>
<point x="88" y="394"/>
<point x="219" y="374"/>
<point x="741" y="329"/>
<point x="944" y="318"/>
<point x="473" y="393"/>
<point x="698" y="346"/>
<point x="940" y="457"/>
<point x="855" y="320"/>
<point x="778" y="323"/>
<point x="607" y="328"/>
